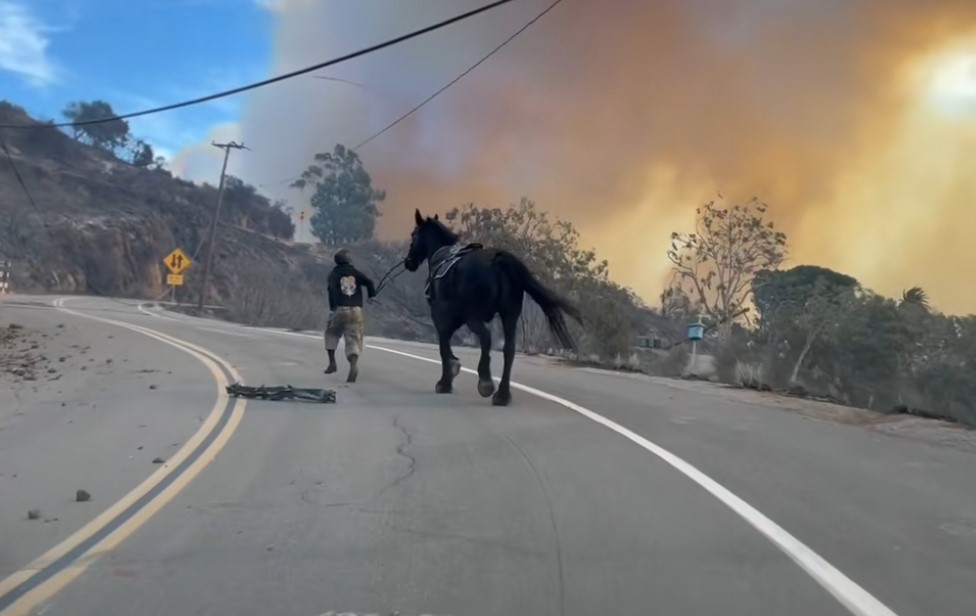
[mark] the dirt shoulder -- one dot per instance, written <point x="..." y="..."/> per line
<point x="30" y="359"/>
<point x="931" y="431"/>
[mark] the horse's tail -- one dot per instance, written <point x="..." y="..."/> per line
<point x="553" y="305"/>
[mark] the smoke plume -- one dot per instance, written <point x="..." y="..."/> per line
<point x="854" y="121"/>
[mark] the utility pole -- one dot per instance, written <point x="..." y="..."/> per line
<point x="212" y="242"/>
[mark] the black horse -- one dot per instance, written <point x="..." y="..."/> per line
<point x="469" y="285"/>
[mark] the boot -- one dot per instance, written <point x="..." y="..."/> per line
<point x="353" y="368"/>
<point x="331" y="368"/>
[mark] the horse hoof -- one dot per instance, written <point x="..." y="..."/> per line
<point x="501" y="398"/>
<point x="441" y="388"/>
<point x="455" y="367"/>
<point x="486" y="388"/>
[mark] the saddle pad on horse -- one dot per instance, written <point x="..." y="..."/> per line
<point x="276" y="393"/>
<point x="443" y="260"/>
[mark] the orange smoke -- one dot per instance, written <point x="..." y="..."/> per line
<point x="624" y="116"/>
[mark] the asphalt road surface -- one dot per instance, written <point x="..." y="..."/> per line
<point x="594" y="493"/>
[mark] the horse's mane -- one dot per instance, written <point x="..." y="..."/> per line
<point x="443" y="231"/>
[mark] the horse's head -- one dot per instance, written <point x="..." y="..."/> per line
<point x="428" y="236"/>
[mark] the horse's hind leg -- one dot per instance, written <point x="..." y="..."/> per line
<point x="504" y="394"/>
<point x="486" y="386"/>
<point x="450" y="366"/>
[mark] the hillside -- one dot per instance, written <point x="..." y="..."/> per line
<point x="102" y="226"/>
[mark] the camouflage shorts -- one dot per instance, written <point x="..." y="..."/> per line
<point x="346" y="323"/>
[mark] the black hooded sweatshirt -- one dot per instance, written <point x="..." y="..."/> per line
<point x="346" y="286"/>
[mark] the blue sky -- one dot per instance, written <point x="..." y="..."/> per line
<point x="134" y="54"/>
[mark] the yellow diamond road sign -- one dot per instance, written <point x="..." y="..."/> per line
<point x="174" y="280"/>
<point x="177" y="262"/>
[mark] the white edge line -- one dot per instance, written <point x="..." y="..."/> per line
<point x="852" y="596"/>
<point x="142" y="308"/>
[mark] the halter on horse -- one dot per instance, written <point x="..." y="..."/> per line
<point x="469" y="284"/>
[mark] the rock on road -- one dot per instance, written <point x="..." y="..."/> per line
<point x="398" y="500"/>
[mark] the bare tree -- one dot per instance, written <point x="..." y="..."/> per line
<point x="717" y="262"/>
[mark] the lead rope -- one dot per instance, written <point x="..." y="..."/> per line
<point x="387" y="278"/>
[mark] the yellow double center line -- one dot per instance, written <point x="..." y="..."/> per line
<point x="40" y="580"/>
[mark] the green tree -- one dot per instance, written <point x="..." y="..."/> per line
<point x="247" y="208"/>
<point x="916" y="296"/>
<point x="280" y="223"/>
<point x="776" y="294"/>
<point x="872" y="344"/>
<point x="943" y="365"/>
<point x="920" y="323"/>
<point x="344" y="201"/>
<point x="917" y="311"/>
<point x="717" y="262"/>
<point x="106" y="135"/>
<point x="141" y="154"/>
<point x="802" y="305"/>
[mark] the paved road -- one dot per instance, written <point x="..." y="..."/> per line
<point x="399" y="500"/>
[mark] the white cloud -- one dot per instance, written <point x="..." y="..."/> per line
<point x="201" y="162"/>
<point x="166" y="153"/>
<point x="23" y="44"/>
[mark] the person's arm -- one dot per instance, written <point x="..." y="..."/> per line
<point x="365" y="281"/>
<point x="332" y="291"/>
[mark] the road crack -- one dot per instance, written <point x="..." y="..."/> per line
<point x="406" y="441"/>
<point x="557" y="544"/>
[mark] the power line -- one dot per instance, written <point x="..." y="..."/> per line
<point x="459" y="77"/>
<point x="259" y="84"/>
<point x="20" y="180"/>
